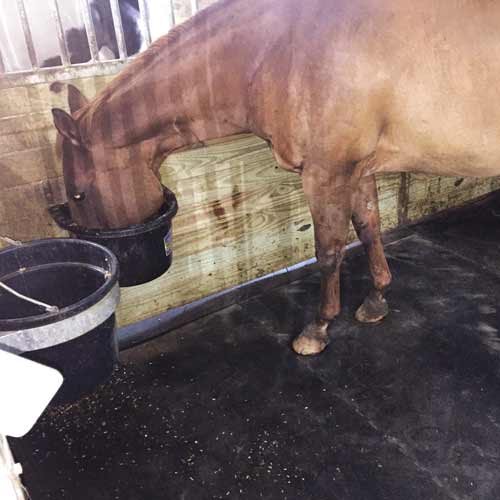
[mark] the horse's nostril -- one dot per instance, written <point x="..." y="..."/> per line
<point x="79" y="196"/>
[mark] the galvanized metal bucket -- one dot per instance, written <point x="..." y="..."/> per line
<point x="73" y="330"/>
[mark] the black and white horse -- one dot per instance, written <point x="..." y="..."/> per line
<point x="13" y="47"/>
<point x="78" y="47"/>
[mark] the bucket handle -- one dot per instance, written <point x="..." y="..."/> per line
<point x="10" y="241"/>
<point x="47" y="307"/>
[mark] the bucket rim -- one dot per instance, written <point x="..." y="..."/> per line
<point x="61" y="215"/>
<point x="45" y="318"/>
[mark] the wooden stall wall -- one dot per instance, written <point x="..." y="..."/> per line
<point x="240" y="216"/>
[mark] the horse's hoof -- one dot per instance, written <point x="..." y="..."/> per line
<point x="312" y="340"/>
<point x="307" y="346"/>
<point x="373" y="309"/>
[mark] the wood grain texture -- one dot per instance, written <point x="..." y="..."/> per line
<point x="25" y="100"/>
<point x="429" y="194"/>
<point x="23" y="210"/>
<point x="240" y="216"/>
<point x="27" y="134"/>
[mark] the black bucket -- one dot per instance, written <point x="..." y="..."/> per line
<point x="144" y="251"/>
<point x="78" y="339"/>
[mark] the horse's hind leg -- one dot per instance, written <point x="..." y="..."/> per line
<point x="366" y="221"/>
<point x="330" y="203"/>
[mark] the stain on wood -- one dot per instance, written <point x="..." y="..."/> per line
<point x="403" y="195"/>
<point x="428" y="195"/>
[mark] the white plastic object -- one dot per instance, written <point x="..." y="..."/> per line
<point x="26" y="389"/>
<point x="10" y="482"/>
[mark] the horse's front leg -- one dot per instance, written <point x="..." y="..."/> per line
<point x="330" y="203"/>
<point x="366" y="222"/>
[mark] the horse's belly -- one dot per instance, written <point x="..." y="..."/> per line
<point x="476" y="161"/>
<point x="462" y="143"/>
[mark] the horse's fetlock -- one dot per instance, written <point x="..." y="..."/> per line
<point x="382" y="279"/>
<point x="384" y="282"/>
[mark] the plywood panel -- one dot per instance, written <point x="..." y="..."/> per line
<point x="39" y="98"/>
<point x="29" y="166"/>
<point x="240" y="217"/>
<point x="18" y="142"/>
<point x="389" y="186"/>
<point x="430" y="194"/>
<point x="23" y="210"/>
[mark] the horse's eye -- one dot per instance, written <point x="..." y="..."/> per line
<point x="79" y="196"/>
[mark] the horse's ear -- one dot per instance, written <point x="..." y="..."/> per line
<point x="67" y="126"/>
<point x="76" y="99"/>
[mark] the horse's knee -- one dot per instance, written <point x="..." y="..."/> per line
<point x="329" y="260"/>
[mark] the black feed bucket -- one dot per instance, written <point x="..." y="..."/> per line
<point x="144" y="251"/>
<point x="77" y="338"/>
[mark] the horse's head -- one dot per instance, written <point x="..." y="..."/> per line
<point x="106" y="186"/>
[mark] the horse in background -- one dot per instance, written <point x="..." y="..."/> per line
<point x="77" y="42"/>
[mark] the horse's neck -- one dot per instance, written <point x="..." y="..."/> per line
<point x="191" y="85"/>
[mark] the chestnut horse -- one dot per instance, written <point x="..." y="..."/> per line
<point x="341" y="89"/>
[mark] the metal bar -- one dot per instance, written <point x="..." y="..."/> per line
<point x="11" y="242"/>
<point x="2" y="65"/>
<point x="63" y="47"/>
<point x="146" y="31"/>
<point x="145" y="330"/>
<point x="27" y="33"/>
<point x="38" y="303"/>
<point x="172" y="14"/>
<point x="59" y="73"/>
<point x="89" y="28"/>
<point x="194" y="7"/>
<point x="117" y="23"/>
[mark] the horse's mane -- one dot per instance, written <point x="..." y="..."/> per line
<point x="144" y="60"/>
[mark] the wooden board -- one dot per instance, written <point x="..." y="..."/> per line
<point x="27" y="134"/>
<point x="23" y="210"/>
<point x="429" y="194"/>
<point x="241" y="217"/>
